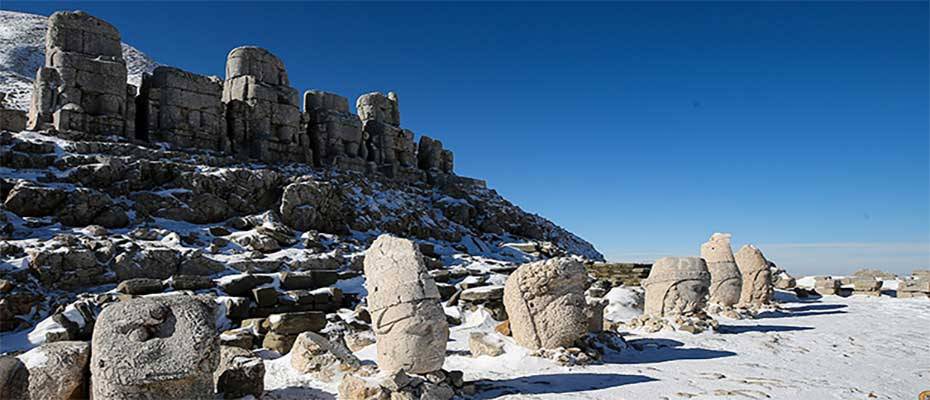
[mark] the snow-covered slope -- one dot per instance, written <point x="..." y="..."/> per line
<point x="22" y="52"/>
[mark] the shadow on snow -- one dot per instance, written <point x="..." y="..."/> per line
<point x="554" y="384"/>
<point x="648" y="350"/>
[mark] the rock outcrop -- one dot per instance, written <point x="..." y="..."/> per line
<point x="545" y="303"/>
<point x="403" y="300"/>
<point x="155" y="348"/>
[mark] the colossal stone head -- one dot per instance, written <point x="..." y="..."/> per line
<point x="376" y="106"/>
<point x="409" y="323"/>
<point x="258" y="63"/>
<point x="155" y="348"/>
<point x="676" y="286"/>
<point x="757" y="278"/>
<point x="725" y="278"/>
<point x="545" y="303"/>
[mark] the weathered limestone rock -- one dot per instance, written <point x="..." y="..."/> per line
<point x="183" y="109"/>
<point x="336" y="136"/>
<point x="867" y="285"/>
<point x="825" y="285"/>
<point x="14" y="378"/>
<point x="725" y="279"/>
<point x="403" y="300"/>
<point x="27" y="199"/>
<point x="545" y="303"/>
<point x="914" y="288"/>
<point x="83" y="84"/>
<point x="757" y="278"/>
<point x="155" y="348"/>
<point x="57" y="371"/>
<point x="153" y="263"/>
<point x="11" y="120"/>
<point x="140" y="286"/>
<point x="313" y="205"/>
<point x="483" y="344"/>
<point x="240" y="373"/>
<point x="313" y="353"/>
<point x="874" y="273"/>
<point x="429" y="154"/>
<point x="378" y="107"/>
<point x="676" y="286"/>
<point x="262" y="113"/>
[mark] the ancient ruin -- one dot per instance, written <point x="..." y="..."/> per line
<point x="725" y="279"/>
<point x="11" y="120"/>
<point x="676" y="286"/>
<point x="252" y="114"/>
<point x="757" y="278"/>
<point x="83" y="85"/>
<point x="160" y="347"/>
<point x="546" y="304"/>
<point x="403" y="300"/>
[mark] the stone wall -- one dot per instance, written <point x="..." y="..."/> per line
<point x="183" y="109"/>
<point x="83" y="84"/>
<point x="619" y="274"/>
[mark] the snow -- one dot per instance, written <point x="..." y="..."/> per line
<point x="34" y="358"/>
<point x="828" y="348"/>
<point x="624" y="303"/>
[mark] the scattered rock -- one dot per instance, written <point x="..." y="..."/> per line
<point x="57" y="371"/>
<point x="482" y="344"/>
<point x="239" y="374"/>
<point x="140" y="286"/>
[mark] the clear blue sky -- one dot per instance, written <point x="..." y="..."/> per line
<point x="643" y="128"/>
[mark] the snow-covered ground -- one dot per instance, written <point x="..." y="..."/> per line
<point x="830" y="348"/>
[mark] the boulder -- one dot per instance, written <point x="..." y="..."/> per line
<point x="403" y="300"/>
<point x="483" y="344"/>
<point x="313" y="353"/>
<point x="57" y="371"/>
<point x="313" y="205"/>
<point x="241" y="285"/>
<point x="153" y="263"/>
<point x="757" y="278"/>
<point x="725" y="279"/>
<point x="140" y="286"/>
<point x="30" y="200"/>
<point x="158" y="347"/>
<point x="14" y="378"/>
<point x="240" y="373"/>
<point x="676" y="286"/>
<point x="545" y="303"/>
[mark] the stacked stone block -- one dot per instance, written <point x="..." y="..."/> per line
<point x="391" y="148"/>
<point x="919" y="287"/>
<point x="263" y="116"/>
<point x="83" y="84"/>
<point x="336" y="136"/>
<point x="183" y="109"/>
<point x="11" y="120"/>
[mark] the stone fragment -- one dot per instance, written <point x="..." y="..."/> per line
<point x="191" y="282"/>
<point x="313" y="353"/>
<point x="757" y="278"/>
<point x="725" y="279"/>
<point x="14" y="378"/>
<point x="825" y="285"/>
<point x="545" y="303"/>
<point x="482" y="344"/>
<point x="57" y="371"/>
<point x="163" y="347"/>
<point x="403" y="300"/>
<point x="154" y="263"/>
<point x="315" y="205"/>
<point x="676" y="286"/>
<point x="353" y="387"/>
<point x="140" y="286"/>
<point x="296" y="323"/>
<point x="241" y="285"/>
<point x="240" y="373"/>
<point x="265" y="297"/>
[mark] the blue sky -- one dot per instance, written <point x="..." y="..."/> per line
<point x="644" y="128"/>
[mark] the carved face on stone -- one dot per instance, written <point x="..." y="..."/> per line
<point x="409" y="323"/>
<point x="545" y="303"/>
<point x="676" y="286"/>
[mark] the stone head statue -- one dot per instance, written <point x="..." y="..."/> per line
<point x="409" y="323"/>
<point x="545" y="303"/>
<point x="725" y="279"/>
<point x="757" y="278"/>
<point x="676" y="286"/>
